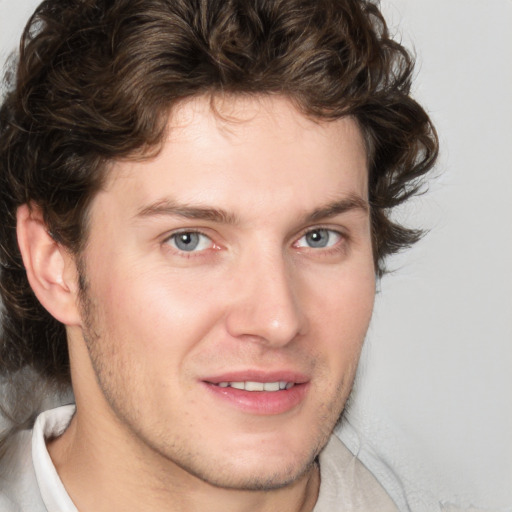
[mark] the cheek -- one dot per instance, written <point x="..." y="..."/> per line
<point x="153" y="311"/>
<point x="341" y="311"/>
<point x="343" y="301"/>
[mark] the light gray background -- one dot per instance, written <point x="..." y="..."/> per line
<point x="432" y="410"/>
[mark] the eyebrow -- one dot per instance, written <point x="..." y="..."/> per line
<point x="352" y="202"/>
<point x="167" y="207"/>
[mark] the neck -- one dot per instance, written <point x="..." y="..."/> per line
<point x="104" y="470"/>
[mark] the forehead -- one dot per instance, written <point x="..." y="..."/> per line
<point x="246" y="151"/>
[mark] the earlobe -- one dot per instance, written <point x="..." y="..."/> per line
<point x="51" y="270"/>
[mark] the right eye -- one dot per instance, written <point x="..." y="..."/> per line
<point x="190" y="241"/>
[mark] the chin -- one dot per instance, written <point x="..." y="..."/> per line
<point x="259" y="479"/>
<point x="263" y="466"/>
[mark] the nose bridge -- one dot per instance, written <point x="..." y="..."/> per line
<point x="266" y="306"/>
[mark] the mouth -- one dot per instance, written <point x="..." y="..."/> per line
<point x="257" y="393"/>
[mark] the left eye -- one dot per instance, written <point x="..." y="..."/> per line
<point x="319" y="238"/>
<point x="189" y="241"/>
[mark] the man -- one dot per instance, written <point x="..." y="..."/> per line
<point x="195" y="200"/>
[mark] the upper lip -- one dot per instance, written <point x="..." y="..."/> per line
<point x="258" y="376"/>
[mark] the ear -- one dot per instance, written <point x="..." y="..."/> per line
<point x="51" y="269"/>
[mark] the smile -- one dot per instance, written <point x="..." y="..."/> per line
<point x="261" y="396"/>
<point x="258" y="386"/>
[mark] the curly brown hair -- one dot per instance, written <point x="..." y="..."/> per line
<point x="97" y="79"/>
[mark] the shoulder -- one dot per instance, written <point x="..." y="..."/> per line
<point x="346" y="484"/>
<point x="19" y="490"/>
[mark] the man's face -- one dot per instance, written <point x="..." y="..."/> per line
<point x="229" y="287"/>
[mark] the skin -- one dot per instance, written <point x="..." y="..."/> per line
<point x="256" y="295"/>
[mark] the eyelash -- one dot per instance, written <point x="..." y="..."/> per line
<point x="319" y="229"/>
<point x="193" y="253"/>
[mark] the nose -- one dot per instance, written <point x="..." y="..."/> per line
<point x="265" y="305"/>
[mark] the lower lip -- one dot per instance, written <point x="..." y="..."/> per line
<point x="261" y="402"/>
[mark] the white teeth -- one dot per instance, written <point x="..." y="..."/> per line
<point x="271" y="386"/>
<point x="258" y="386"/>
<point x="254" y="386"/>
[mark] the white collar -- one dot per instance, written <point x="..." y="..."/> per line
<point x="51" y="423"/>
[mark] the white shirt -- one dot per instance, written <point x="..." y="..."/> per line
<point x="29" y="481"/>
